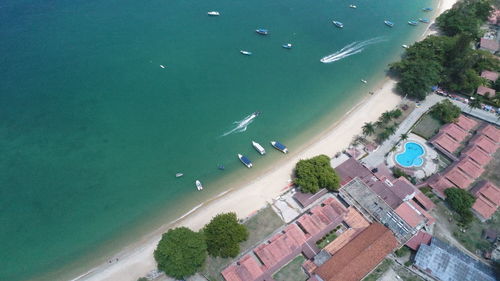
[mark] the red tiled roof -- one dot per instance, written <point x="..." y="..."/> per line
<point x="488" y="190"/>
<point x="424" y="201"/>
<point x="491" y="132"/>
<point x="403" y="188"/>
<point x="484" y="208"/>
<point x="422" y="237"/>
<point x="490" y="75"/>
<point x="440" y="185"/>
<point x="458" y="178"/>
<point x="409" y="215"/>
<point x="321" y="216"/>
<point x="467" y="166"/>
<point x="246" y="269"/>
<point x="485" y="144"/>
<point x="477" y="155"/>
<point x="454" y="131"/>
<point x="465" y="123"/>
<point x="489" y="44"/>
<point x="383" y="191"/>
<point x="350" y="169"/>
<point x="446" y="142"/>
<point x="360" y="256"/>
<point x="429" y="220"/>
<point x="485" y="91"/>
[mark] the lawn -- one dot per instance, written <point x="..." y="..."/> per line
<point x="379" y="271"/>
<point x="472" y="237"/>
<point x="427" y="126"/>
<point x="491" y="170"/>
<point x="292" y="271"/>
<point x="260" y="226"/>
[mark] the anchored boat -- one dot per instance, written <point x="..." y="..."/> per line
<point x="262" y="31"/>
<point x="405" y="46"/>
<point x="426" y="9"/>
<point x="338" y="24"/>
<point x="245" y="161"/>
<point x="352" y="6"/>
<point x="213" y="13"/>
<point x="389" y="23"/>
<point x="178" y="175"/>
<point x="287" y="46"/>
<point x="246" y="53"/>
<point x="259" y="148"/>
<point x="412" y="22"/>
<point x="279" y="146"/>
<point x="423" y="20"/>
<point x="198" y="185"/>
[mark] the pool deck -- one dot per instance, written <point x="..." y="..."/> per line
<point x="429" y="166"/>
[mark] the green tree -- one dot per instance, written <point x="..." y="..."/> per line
<point x="368" y="129"/>
<point x="445" y="111"/>
<point x="390" y="130"/>
<point x="475" y="102"/>
<point x="404" y="136"/>
<point x="460" y="201"/>
<point x="315" y="173"/>
<point x="386" y="117"/>
<point x="224" y="234"/>
<point x="465" y="17"/>
<point x="181" y="252"/>
<point x="396" y="113"/>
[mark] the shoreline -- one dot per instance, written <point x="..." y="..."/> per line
<point x="136" y="260"/>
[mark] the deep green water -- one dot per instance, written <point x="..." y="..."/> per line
<point x="92" y="130"/>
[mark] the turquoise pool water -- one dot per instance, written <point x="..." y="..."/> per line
<point x="411" y="156"/>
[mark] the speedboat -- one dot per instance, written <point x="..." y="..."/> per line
<point x="178" y="175"/>
<point x="198" y="185"/>
<point x="279" y="146"/>
<point x="262" y="31"/>
<point x="287" y="46"/>
<point x="412" y="22"/>
<point x="246" y="53"/>
<point x="423" y="20"/>
<point x="426" y="9"/>
<point x="405" y="46"/>
<point x="352" y="6"/>
<point x="162" y="66"/>
<point x="245" y="161"/>
<point x="364" y="81"/>
<point x="338" y="24"/>
<point x="389" y="23"/>
<point x="213" y="13"/>
<point x="259" y="148"/>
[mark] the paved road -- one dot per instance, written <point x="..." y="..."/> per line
<point x="476" y="112"/>
<point x="376" y="158"/>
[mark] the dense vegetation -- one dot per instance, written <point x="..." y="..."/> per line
<point x="383" y="126"/>
<point x="315" y="173"/>
<point x="224" y="234"/>
<point x="449" y="61"/>
<point x="445" y="111"/>
<point x="181" y="252"/>
<point x="460" y="201"/>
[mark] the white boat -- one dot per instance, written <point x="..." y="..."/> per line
<point x="259" y="148"/>
<point x="364" y="81"/>
<point x="198" y="185"/>
<point x="405" y="46"/>
<point x="178" y="175"/>
<point x="279" y="146"/>
<point x="245" y="161"/>
<point x="162" y="66"/>
<point x="213" y="13"/>
<point x="352" y="6"/>
<point x="246" y="53"/>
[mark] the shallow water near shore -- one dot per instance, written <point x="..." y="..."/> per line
<point x="93" y="130"/>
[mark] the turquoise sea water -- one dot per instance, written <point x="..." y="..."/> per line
<point x="92" y="129"/>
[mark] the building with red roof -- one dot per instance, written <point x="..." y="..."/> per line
<point x="477" y="155"/>
<point x="458" y="178"/>
<point x="487" y="199"/>
<point x="490" y="75"/>
<point x="485" y="91"/>
<point x="439" y="184"/>
<point x="492" y="132"/>
<point x="470" y="168"/>
<point x="485" y="143"/>
<point x="465" y="123"/>
<point x="360" y="256"/>
<point x="454" y="131"/>
<point x="422" y="237"/>
<point x="489" y="45"/>
<point x="445" y="142"/>
<point x="410" y="215"/>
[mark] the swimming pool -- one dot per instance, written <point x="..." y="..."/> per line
<point x="411" y="156"/>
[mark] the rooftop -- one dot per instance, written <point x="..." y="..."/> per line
<point x="491" y="132"/>
<point x="477" y="155"/>
<point x="470" y="168"/>
<point x="465" y="123"/>
<point x="446" y="142"/>
<point x="489" y="44"/>
<point x="454" y="131"/>
<point x="422" y="237"/>
<point x="358" y="257"/>
<point x="446" y="262"/>
<point x="458" y="178"/>
<point x="350" y="169"/>
<point x="487" y="199"/>
<point x="439" y="185"/>
<point x="490" y="75"/>
<point x="408" y="213"/>
<point x="485" y="144"/>
<point x="485" y="91"/>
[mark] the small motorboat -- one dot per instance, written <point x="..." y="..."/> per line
<point x="221" y="167"/>
<point x="162" y="66"/>
<point x="423" y="20"/>
<point x="279" y="146"/>
<point x="338" y="24"/>
<point x="427" y="9"/>
<point x="352" y="6"/>
<point x="405" y="46"/>
<point x="213" y="13"/>
<point x="389" y="23"/>
<point x="178" y="175"/>
<point x="364" y="81"/>
<point x="246" y="53"/>
<point x="262" y="31"/>
<point x="259" y="148"/>
<point x="412" y="22"/>
<point x="198" y="185"/>
<point x="245" y="161"/>
<point x="287" y="46"/>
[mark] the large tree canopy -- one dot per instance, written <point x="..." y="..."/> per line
<point x="181" y="252"/>
<point x="223" y="235"/>
<point x="315" y="173"/>
<point x="460" y="201"/>
<point x="465" y="17"/>
<point x="445" y="111"/>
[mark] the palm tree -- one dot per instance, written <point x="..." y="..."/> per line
<point x="386" y="117"/>
<point x="475" y="102"/>
<point x="379" y="124"/>
<point x="368" y="129"/>
<point x="404" y="136"/>
<point x="390" y="130"/>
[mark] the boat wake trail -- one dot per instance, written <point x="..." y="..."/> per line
<point x="242" y="125"/>
<point x="351" y="49"/>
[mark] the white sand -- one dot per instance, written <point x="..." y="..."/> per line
<point x="137" y="260"/>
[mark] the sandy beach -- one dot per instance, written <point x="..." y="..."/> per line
<point x="137" y="259"/>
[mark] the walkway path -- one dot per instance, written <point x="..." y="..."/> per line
<point x="476" y="112"/>
<point x="377" y="157"/>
